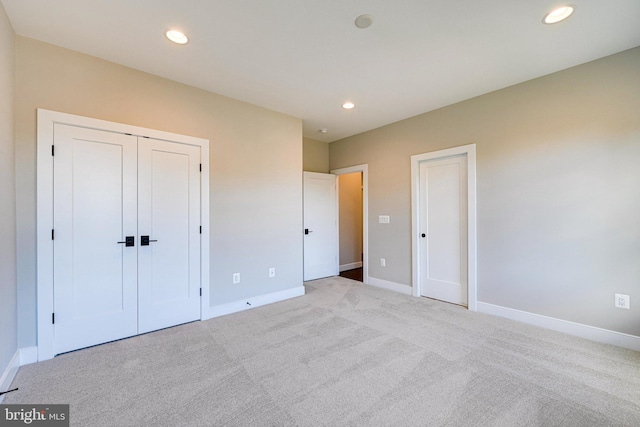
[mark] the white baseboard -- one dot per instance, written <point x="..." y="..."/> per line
<point x="23" y="356"/>
<point x="578" y="329"/>
<point x="253" y="302"/>
<point x="392" y="286"/>
<point x="9" y="373"/>
<point x="351" y="266"/>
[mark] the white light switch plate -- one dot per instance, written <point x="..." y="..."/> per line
<point x="623" y="301"/>
<point x="384" y="219"/>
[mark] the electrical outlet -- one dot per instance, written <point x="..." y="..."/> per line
<point x="236" y="278"/>
<point x="272" y="272"/>
<point x="623" y="301"/>
<point x="383" y="262"/>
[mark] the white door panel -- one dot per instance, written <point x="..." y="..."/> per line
<point x="320" y="222"/>
<point x="443" y="228"/>
<point x="169" y="213"/>
<point x="95" y="290"/>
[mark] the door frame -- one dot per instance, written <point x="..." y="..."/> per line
<point x="364" y="168"/>
<point x="470" y="152"/>
<point x="44" y="211"/>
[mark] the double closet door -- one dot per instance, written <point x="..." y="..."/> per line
<point x="126" y="237"/>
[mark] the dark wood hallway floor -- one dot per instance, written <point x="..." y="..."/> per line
<point x="355" y="274"/>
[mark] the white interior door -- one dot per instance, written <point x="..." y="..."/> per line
<point x="95" y="208"/>
<point x="169" y="216"/>
<point x="320" y="226"/>
<point x="443" y="229"/>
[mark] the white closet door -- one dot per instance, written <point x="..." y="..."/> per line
<point x="169" y="214"/>
<point x="94" y="184"/>
<point x="443" y="225"/>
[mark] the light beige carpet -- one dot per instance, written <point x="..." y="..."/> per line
<point x="344" y="354"/>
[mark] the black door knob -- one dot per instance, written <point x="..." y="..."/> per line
<point x="129" y="241"/>
<point x="423" y="235"/>
<point x="144" y="240"/>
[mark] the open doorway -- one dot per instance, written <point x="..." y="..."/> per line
<point x="352" y="222"/>
<point x="351" y="225"/>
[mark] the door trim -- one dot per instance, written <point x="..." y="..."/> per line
<point x="470" y="152"/>
<point x="365" y="215"/>
<point x="44" y="211"/>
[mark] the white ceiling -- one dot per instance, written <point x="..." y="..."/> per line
<point x="306" y="57"/>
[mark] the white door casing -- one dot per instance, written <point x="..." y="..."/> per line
<point x="320" y="226"/>
<point x="443" y="229"/>
<point x="94" y="209"/>
<point x="169" y="214"/>
<point x="102" y="151"/>
<point x="443" y="242"/>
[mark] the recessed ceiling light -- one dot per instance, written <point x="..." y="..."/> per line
<point x="364" y="21"/>
<point x="348" y="105"/>
<point x="177" y="37"/>
<point x="559" y="14"/>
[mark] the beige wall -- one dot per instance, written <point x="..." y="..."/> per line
<point x="316" y="156"/>
<point x="256" y="165"/>
<point x="558" y="190"/>
<point x="8" y="308"/>
<point x="350" y="199"/>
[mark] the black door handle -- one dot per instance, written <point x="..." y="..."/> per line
<point x="129" y="241"/>
<point x="307" y="231"/>
<point x="144" y="240"/>
<point x="423" y="235"/>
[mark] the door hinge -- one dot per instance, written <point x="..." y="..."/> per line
<point x="51" y="234"/>
<point x="200" y="229"/>
<point x="200" y="291"/>
<point x="53" y="318"/>
<point x="53" y="150"/>
<point x="200" y="167"/>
